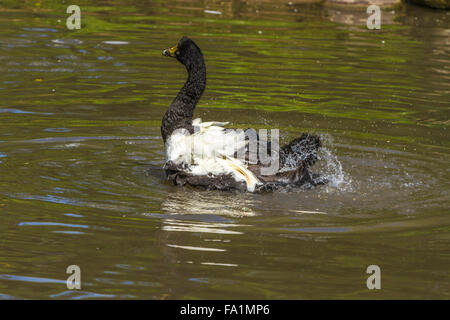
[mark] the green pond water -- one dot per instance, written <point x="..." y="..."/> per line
<point x="81" y="156"/>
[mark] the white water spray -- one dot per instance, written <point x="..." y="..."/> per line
<point x="332" y="168"/>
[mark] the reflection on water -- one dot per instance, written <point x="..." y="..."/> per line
<point x="81" y="156"/>
<point x="191" y="202"/>
<point x="173" y="225"/>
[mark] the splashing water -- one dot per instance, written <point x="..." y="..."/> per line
<point x="332" y="168"/>
<point x="328" y="165"/>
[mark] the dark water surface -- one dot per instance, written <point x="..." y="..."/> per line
<point x="81" y="154"/>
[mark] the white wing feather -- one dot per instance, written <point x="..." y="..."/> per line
<point x="210" y="150"/>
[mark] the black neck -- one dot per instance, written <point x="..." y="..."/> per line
<point x="181" y="111"/>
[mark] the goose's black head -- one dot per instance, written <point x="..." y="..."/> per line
<point x="187" y="52"/>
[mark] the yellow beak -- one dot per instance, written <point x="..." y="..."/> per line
<point x="170" y="52"/>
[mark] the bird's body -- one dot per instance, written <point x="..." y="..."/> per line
<point x="210" y="151"/>
<point x="206" y="153"/>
